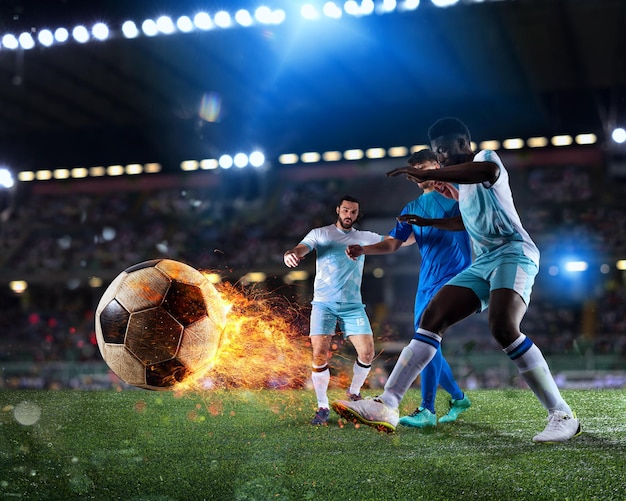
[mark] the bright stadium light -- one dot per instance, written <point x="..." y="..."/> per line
<point x="165" y="25"/>
<point x="409" y="5"/>
<point x="61" y="35"/>
<point x="278" y="16"/>
<point x="618" y="135"/>
<point x="576" y="266"/>
<point x="149" y="28"/>
<point x="6" y="178"/>
<point x="240" y="160"/>
<point x="331" y="10"/>
<point x="309" y="11"/>
<point x="243" y="18"/>
<point x="387" y="6"/>
<point x="45" y="38"/>
<point x="184" y="24"/>
<point x="80" y="34"/>
<point x="444" y="3"/>
<point x="26" y="41"/>
<point x="100" y="31"/>
<point x="257" y="159"/>
<point x="203" y="21"/>
<point x="10" y="42"/>
<point x="222" y="19"/>
<point x="130" y="30"/>
<point x="263" y="15"/>
<point x="225" y="161"/>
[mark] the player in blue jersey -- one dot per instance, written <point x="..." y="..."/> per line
<point x="444" y="255"/>
<point x="337" y="300"/>
<point x="501" y="278"/>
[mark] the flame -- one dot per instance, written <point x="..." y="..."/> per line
<point x="263" y="345"/>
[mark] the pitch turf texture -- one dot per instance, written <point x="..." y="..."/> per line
<point x="245" y="445"/>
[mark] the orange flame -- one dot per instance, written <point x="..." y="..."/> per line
<point x="262" y="345"/>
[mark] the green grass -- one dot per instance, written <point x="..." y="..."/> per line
<point x="244" y="445"/>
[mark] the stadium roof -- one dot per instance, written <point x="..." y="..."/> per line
<point x="509" y="68"/>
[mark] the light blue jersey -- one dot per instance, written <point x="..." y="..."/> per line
<point x="337" y="277"/>
<point x="490" y="216"/>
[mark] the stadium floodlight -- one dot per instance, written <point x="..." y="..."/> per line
<point x="222" y="19"/>
<point x="10" y="42"/>
<point x="165" y="25"/>
<point x="61" y="35"/>
<point x="444" y="3"/>
<point x="240" y="160"/>
<point x="263" y="15"/>
<point x="80" y="34"/>
<point x="352" y="8"/>
<point x="6" y="179"/>
<point x="225" y="161"/>
<point x="45" y="37"/>
<point x="203" y="21"/>
<point x="409" y="5"/>
<point x="576" y="266"/>
<point x="387" y="6"/>
<point x="278" y="16"/>
<point x="100" y="31"/>
<point x="367" y="7"/>
<point x="618" y="135"/>
<point x="331" y="10"/>
<point x="309" y="11"/>
<point x="243" y="18"/>
<point x="184" y="24"/>
<point x="130" y="30"/>
<point x="256" y="158"/>
<point x="26" y="41"/>
<point x="149" y="28"/>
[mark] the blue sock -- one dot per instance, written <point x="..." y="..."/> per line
<point x="447" y="381"/>
<point x="430" y="381"/>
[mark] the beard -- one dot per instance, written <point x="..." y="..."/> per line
<point x="346" y="224"/>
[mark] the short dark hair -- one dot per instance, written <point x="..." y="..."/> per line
<point x="421" y="156"/>
<point x="448" y="126"/>
<point x="348" y="198"/>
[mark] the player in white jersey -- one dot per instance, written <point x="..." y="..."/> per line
<point x="501" y="277"/>
<point x="337" y="300"/>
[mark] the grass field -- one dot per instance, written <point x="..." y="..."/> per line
<point x="243" y="445"/>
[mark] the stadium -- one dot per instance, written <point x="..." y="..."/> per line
<point x="217" y="134"/>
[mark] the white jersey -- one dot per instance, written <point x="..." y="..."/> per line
<point x="490" y="216"/>
<point x="337" y="277"/>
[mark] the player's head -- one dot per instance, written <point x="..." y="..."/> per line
<point x="348" y="212"/>
<point x="450" y="139"/>
<point x="424" y="159"/>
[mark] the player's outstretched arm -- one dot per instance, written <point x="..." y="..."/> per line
<point x="448" y="223"/>
<point x="465" y="173"/>
<point x="386" y="246"/>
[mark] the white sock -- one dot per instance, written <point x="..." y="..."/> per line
<point x="320" y="384"/>
<point x="533" y="367"/>
<point x="360" y="371"/>
<point x="411" y="361"/>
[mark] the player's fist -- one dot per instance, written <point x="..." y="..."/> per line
<point x="291" y="259"/>
<point x="354" y="251"/>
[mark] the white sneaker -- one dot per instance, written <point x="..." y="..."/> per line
<point x="561" y="427"/>
<point x="368" y="411"/>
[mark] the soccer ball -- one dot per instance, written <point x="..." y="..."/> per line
<point x="159" y="324"/>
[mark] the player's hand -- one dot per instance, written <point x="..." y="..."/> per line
<point x="354" y="251"/>
<point x="291" y="259"/>
<point x="412" y="219"/>
<point x="397" y="172"/>
<point x="447" y="190"/>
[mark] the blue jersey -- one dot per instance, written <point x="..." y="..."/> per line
<point x="337" y="277"/>
<point x="490" y="216"/>
<point x="444" y="253"/>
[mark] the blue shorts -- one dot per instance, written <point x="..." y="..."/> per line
<point x="506" y="271"/>
<point x="350" y="317"/>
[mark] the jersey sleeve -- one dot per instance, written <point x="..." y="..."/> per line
<point x="311" y="239"/>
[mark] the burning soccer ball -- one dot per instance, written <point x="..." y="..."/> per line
<point x="159" y="324"/>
